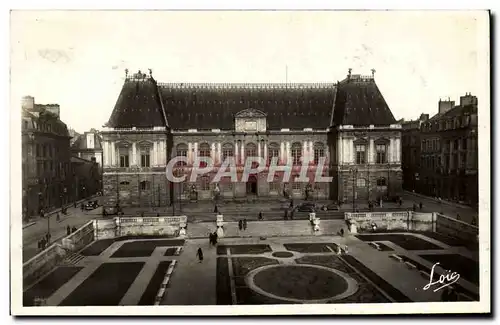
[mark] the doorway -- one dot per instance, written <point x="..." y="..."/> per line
<point x="252" y="185"/>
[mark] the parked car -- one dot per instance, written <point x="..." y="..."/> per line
<point x="306" y="207"/>
<point x="91" y="205"/>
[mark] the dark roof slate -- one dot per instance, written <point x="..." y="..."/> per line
<point x="214" y="106"/>
<point x="138" y="105"/>
<point x="359" y="102"/>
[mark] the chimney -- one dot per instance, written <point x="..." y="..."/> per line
<point x="28" y="102"/>
<point x="445" y="105"/>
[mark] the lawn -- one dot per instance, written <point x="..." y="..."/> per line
<point x="149" y="295"/>
<point x="49" y="284"/>
<point x="106" y="286"/>
<point x="311" y="247"/>
<point x="406" y="241"/>
<point x="243" y="249"/>
<point x="99" y="246"/>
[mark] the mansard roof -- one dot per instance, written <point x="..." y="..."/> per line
<point x="359" y="102"/>
<point x="138" y="105"/>
<point x="214" y="106"/>
<point x="81" y="143"/>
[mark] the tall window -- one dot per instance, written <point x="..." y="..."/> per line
<point x="296" y="153"/>
<point x="381" y="153"/>
<point x="273" y="151"/>
<point x="381" y="182"/>
<point x="124" y="157"/>
<point x="145" y="158"/>
<point x="181" y="152"/>
<point x="360" y="182"/>
<point x="204" y="151"/>
<point x="319" y="152"/>
<point x="227" y="151"/>
<point x="360" y="154"/>
<point x="251" y="150"/>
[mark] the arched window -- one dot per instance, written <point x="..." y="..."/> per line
<point x="319" y="152"/>
<point x="296" y="153"/>
<point x="273" y="151"/>
<point x="381" y="182"/>
<point x="203" y="151"/>
<point x="251" y="150"/>
<point x="181" y="151"/>
<point x="227" y="151"/>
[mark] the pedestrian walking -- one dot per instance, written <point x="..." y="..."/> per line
<point x="39" y="244"/>
<point x="400" y="202"/>
<point x="286" y="214"/>
<point x="216" y="209"/>
<point x="458" y="216"/>
<point x="421" y="205"/>
<point x="73" y="229"/>
<point x="342" y="232"/>
<point x="81" y="206"/>
<point x="199" y="254"/>
<point x="240" y="224"/>
<point x="43" y="242"/>
<point x="57" y="217"/>
<point x="215" y="236"/>
<point x="244" y="224"/>
<point x="260" y="215"/>
<point x="211" y="238"/>
<point x="68" y="230"/>
<point x="291" y="203"/>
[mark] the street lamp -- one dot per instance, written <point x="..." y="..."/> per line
<point x="354" y="171"/>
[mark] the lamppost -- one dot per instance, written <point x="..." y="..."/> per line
<point x="354" y="172"/>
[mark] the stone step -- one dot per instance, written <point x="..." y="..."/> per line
<point x="73" y="259"/>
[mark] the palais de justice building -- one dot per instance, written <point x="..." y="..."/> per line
<point x="348" y="123"/>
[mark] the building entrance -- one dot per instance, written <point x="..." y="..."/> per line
<point x="252" y="185"/>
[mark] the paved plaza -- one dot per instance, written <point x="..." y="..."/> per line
<point x="255" y="269"/>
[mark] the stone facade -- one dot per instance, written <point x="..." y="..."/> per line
<point x="368" y="163"/>
<point x="140" y="181"/>
<point x="312" y="125"/>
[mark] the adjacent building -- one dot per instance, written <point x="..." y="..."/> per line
<point x="448" y="164"/>
<point x="347" y="124"/>
<point x="86" y="180"/>
<point x="46" y="168"/>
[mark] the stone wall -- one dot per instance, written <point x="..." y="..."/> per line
<point x="42" y="263"/>
<point x="80" y="238"/>
<point x="130" y="226"/>
<point x="455" y="228"/>
<point x="129" y="192"/>
<point x="371" y="191"/>
<point x="404" y="221"/>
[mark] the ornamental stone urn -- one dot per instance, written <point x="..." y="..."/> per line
<point x="220" y="225"/>
<point x="316" y="223"/>
<point x="182" y="231"/>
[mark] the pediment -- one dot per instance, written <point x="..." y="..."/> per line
<point x="250" y="112"/>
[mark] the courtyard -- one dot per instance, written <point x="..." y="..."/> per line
<point x="257" y="270"/>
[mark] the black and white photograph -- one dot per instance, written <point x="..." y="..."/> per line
<point x="246" y="162"/>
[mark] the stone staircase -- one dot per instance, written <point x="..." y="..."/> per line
<point x="72" y="259"/>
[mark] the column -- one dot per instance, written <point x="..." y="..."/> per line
<point x="340" y="152"/>
<point x="112" y="153"/>
<point x="305" y="152"/>
<point x="242" y="152"/>
<point x="219" y="152"/>
<point x="258" y="149"/>
<point x="311" y="152"/>
<point x="288" y="152"/>
<point x="212" y="152"/>
<point x="236" y="154"/>
<point x="282" y="153"/>
<point x="371" y="152"/>
<point x="195" y="153"/>
<point x="266" y="158"/>
<point x="391" y="150"/>
<point x="190" y="153"/>
<point x="398" y="150"/>
<point x="163" y="153"/>
<point x="134" y="155"/>
<point x="105" y="153"/>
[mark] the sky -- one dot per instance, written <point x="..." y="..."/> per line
<point x="77" y="58"/>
